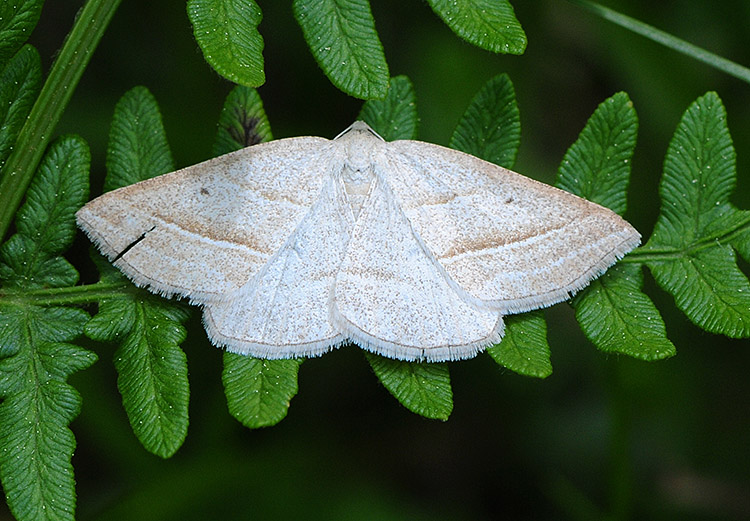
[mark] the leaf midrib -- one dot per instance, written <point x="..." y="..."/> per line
<point x="646" y="254"/>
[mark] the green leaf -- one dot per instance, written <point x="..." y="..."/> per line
<point x="489" y="24"/>
<point x="699" y="175"/>
<point x="423" y="388"/>
<point x="597" y="166"/>
<point x="152" y="369"/>
<point x="395" y="116"/>
<point x="242" y="122"/>
<point x="11" y="330"/>
<point x="524" y="347"/>
<point x="742" y="241"/>
<point x="23" y="265"/>
<point x="618" y="317"/>
<point x="710" y="289"/>
<point x="20" y="83"/>
<point x="227" y="33"/>
<point x="152" y="372"/>
<point x="46" y="221"/>
<point x="258" y="391"/>
<point x="613" y="311"/>
<point x="491" y="126"/>
<point x="58" y="87"/>
<point x="36" y="444"/>
<point x="688" y="257"/>
<point x="138" y="147"/>
<point x="59" y="189"/>
<point x="341" y="35"/>
<point x="17" y="21"/>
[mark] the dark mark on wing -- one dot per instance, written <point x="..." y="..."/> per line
<point x="133" y="244"/>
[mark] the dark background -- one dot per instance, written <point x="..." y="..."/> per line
<point x="663" y="440"/>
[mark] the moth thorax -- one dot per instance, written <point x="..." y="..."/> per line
<point x="357" y="185"/>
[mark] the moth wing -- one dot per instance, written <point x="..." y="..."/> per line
<point x="512" y="242"/>
<point x="391" y="296"/>
<point x="283" y="311"/>
<point x="205" y="230"/>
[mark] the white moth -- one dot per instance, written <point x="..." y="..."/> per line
<point x="410" y="250"/>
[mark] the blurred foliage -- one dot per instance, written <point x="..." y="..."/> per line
<point x="515" y="447"/>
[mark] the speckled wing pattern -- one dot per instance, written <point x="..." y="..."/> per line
<point x="203" y="231"/>
<point x="508" y="241"/>
<point x="408" y="249"/>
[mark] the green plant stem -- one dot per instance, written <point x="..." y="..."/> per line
<point x="621" y="468"/>
<point x="666" y="39"/>
<point x="66" y="296"/>
<point x="644" y="254"/>
<point x="32" y="141"/>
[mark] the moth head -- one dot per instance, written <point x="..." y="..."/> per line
<point x="358" y="130"/>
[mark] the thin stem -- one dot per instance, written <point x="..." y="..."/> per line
<point x="621" y="467"/>
<point x="666" y="39"/>
<point x="646" y="254"/>
<point x="32" y="141"/>
<point x="66" y="296"/>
